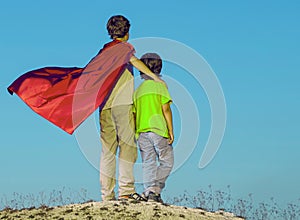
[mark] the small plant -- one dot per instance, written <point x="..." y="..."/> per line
<point x="214" y="200"/>
<point x="60" y="197"/>
<point x="209" y="200"/>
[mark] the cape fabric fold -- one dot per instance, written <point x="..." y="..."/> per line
<point x="67" y="96"/>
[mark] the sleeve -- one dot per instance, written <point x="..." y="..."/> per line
<point x="131" y="50"/>
<point x="165" y="95"/>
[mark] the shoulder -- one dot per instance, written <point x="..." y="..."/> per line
<point x="156" y="85"/>
<point x="162" y="86"/>
<point x="144" y="87"/>
<point x="119" y="44"/>
<point x="128" y="45"/>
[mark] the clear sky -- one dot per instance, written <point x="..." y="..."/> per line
<point x="252" y="47"/>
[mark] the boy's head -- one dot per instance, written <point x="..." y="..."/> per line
<point x="117" y="26"/>
<point x="153" y="62"/>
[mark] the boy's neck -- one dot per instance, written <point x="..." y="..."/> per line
<point x="120" y="39"/>
<point x="123" y="39"/>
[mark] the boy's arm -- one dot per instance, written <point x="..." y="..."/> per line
<point x="143" y="68"/>
<point x="168" y="116"/>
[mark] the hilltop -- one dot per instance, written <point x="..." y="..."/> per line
<point x="116" y="210"/>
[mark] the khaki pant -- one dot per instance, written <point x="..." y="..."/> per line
<point x="117" y="130"/>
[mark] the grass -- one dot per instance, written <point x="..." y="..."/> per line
<point x="210" y="200"/>
<point x="64" y="196"/>
<point x="213" y="200"/>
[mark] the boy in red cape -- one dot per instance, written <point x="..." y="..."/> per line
<point x="67" y="96"/>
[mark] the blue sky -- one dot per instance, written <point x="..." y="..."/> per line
<point x="252" y="46"/>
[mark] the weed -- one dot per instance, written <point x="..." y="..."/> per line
<point x="214" y="200"/>
<point x="210" y="200"/>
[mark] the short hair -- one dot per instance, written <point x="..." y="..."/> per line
<point x="153" y="62"/>
<point x="117" y="26"/>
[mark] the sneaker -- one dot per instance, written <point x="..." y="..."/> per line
<point x="131" y="197"/>
<point x="153" y="197"/>
<point x="145" y="198"/>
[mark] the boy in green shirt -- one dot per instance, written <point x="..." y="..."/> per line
<point x="154" y="129"/>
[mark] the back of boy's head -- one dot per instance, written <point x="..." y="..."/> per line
<point x="153" y="62"/>
<point x="117" y="26"/>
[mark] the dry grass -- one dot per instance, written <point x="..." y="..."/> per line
<point x="203" y="204"/>
<point x="115" y="210"/>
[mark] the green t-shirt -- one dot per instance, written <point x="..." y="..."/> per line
<point x="148" y="100"/>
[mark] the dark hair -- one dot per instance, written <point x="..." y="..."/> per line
<point x="153" y="62"/>
<point x="117" y="26"/>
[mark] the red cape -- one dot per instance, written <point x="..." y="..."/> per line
<point x="67" y="96"/>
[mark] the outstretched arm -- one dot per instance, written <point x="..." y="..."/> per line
<point x="137" y="63"/>
<point x="168" y="116"/>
